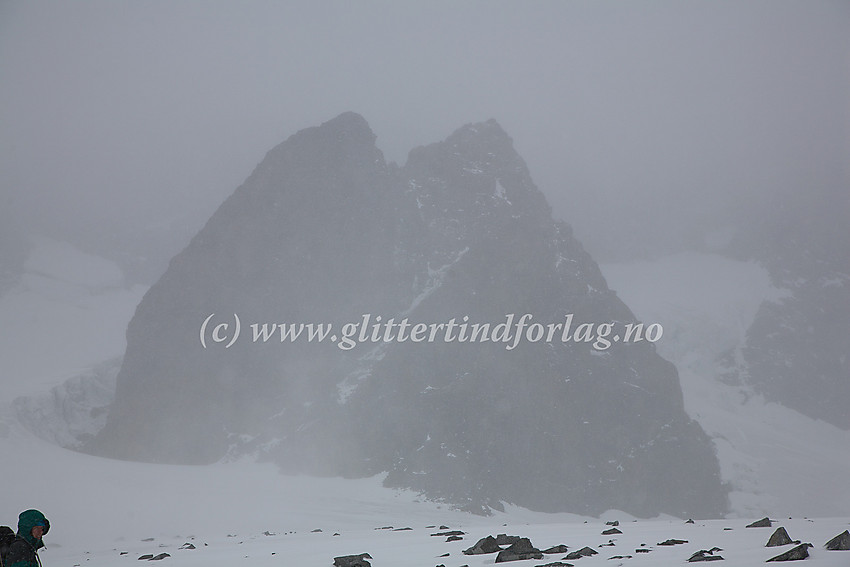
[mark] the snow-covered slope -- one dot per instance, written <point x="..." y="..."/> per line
<point x="247" y="514"/>
<point x="68" y="312"/>
<point x="107" y="513"/>
<point x="777" y="460"/>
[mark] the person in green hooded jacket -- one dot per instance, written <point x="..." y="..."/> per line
<point x="32" y="525"/>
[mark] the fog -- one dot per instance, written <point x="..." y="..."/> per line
<point x="700" y="152"/>
<point x="125" y="124"/>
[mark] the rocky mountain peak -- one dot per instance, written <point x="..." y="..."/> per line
<point x="323" y="232"/>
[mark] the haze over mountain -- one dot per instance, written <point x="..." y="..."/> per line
<point x="325" y="231"/>
<point x="797" y="347"/>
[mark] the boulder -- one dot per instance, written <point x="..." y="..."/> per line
<point x="799" y="552"/>
<point x="763" y="523"/>
<point x="583" y="552"/>
<point x="519" y="551"/>
<point x="704" y="555"/>
<point x="841" y="542"/>
<point x="779" y="537"/>
<point x="483" y="546"/>
<point x="358" y="560"/>
<point x="557" y="549"/>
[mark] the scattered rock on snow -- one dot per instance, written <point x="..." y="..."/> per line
<point x="353" y="560"/>
<point x="518" y="551"/>
<point x="673" y="542"/>
<point x="615" y="523"/>
<point x="841" y="542"/>
<point x="705" y="555"/>
<point x="556" y="564"/>
<point x="612" y="531"/>
<point x="159" y="557"/>
<point x="763" y="523"/>
<point x="504" y="539"/>
<point x="583" y="552"/>
<point x="146" y="557"/>
<point x="484" y="545"/>
<point x="454" y="538"/>
<point x="557" y="549"/>
<point x="448" y="534"/>
<point x="187" y="545"/>
<point x="799" y="552"/>
<point x="779" y="537"/>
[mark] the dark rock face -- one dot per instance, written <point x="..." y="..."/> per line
<point x="796" y="349"/>
<point x="796" y="554"/>
<point x="841" y="542"/>
<point x="324" y="231"/>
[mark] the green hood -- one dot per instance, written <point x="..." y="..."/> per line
<point x="27" y="521"/>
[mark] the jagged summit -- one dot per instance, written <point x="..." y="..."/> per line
<point x="323" y="231"/>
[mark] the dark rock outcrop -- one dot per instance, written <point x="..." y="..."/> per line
<point x="324" y="231"/>
<point x="779" y="537"/>
<point x="519" y="551"/>
<point x="841" y="542"/>
<point x="704" y="555"/>
<point x="763" y="523"/>
<point x="796" y="348"/>
<point x="483" y="546"/>
<point x="557" y="549"/>
<point x="358" y="560"/>
<point x="583" y="552"/>
<point x="796" y="554"/>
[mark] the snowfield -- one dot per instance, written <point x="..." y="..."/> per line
<point x="110" y="513"/>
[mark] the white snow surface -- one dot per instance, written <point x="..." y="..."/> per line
<point x="99" y="508"/>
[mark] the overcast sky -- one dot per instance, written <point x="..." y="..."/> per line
<point x="647" y="116"/>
